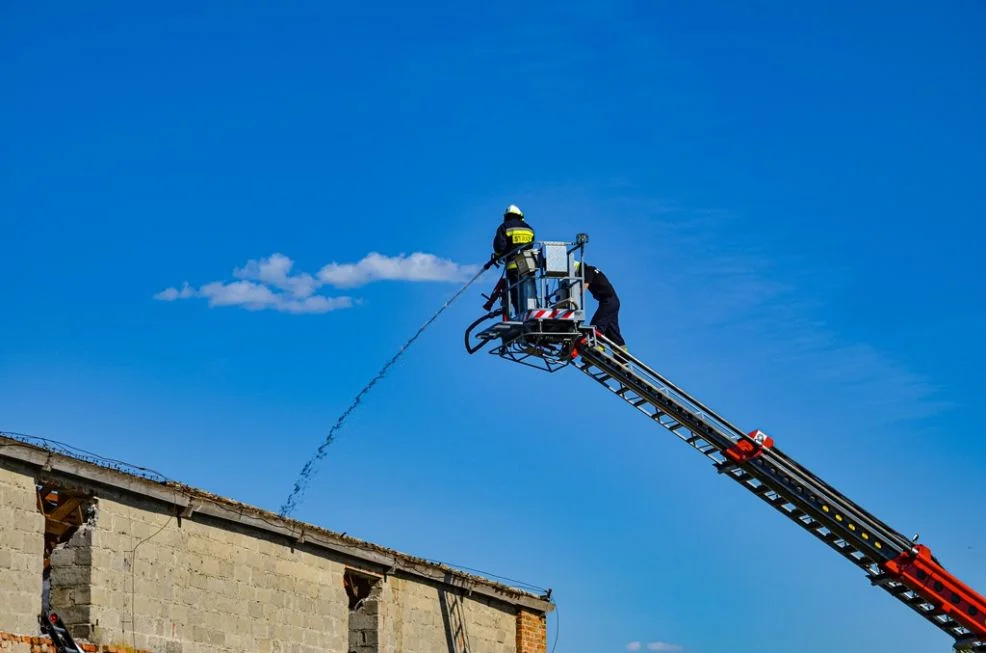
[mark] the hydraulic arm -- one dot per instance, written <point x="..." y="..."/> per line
<point x="542" y="324"/>
<point x="906" y="570"/>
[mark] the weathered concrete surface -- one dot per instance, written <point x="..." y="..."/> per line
<point x="414" y="621"/>
<point x="21" y="550"/>
<point x="89" y="476"/>
<point x="71" y="593"/>
<point x="200" y="588"/>
<point x="170" y="569"/>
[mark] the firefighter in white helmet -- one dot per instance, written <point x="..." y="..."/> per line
<point x="513" y="236"/>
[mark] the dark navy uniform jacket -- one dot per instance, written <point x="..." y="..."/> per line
<point x="599" y="284"/>
<point x="513" y="232"/>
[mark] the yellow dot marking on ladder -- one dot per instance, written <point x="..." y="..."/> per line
<point x="838" y="517"/>
<point x="852" y="527"/>
<point x="825" y="508"/>
<point x="878" y="545"/>
<point x="866" y="536"/>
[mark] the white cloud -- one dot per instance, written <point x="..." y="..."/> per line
<point x="270" y="284"/>
<point x="171" y="294"/>
<point x="377" y="267"/>
<point x="276" y="271"/>
<point x="253" y="296"/>
<point x="633" y="646"/>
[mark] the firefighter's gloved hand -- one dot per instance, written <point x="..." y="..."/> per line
<point x="493" y="261"/>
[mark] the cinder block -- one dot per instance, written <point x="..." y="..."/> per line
<point x="69" y="576"/>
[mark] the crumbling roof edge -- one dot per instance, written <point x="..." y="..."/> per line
<point x="189" y="500"/>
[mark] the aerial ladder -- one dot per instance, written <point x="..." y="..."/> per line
<point x="53" y="627"/>
<point x="541" y="322"/>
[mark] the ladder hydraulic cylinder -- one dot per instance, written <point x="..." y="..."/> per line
<point x="919" y="570"/>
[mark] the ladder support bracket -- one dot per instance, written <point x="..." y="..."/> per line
<point x="746" y="450"/>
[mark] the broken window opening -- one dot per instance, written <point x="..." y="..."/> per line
<point x="358" y="587"/>
<point x="64" y="512"/>
<point x="363" y="591"/>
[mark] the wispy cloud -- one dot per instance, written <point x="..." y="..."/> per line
<point x="171" y="294"/>
<point x="271" y="283"/>
<point x="654" y="646"/>
<point x="255" y="297"/>
<point x="377" y="267"/>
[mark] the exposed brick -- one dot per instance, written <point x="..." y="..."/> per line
<point x="532" y="634"/>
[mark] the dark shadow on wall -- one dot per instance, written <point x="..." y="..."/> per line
<point x="455" y="622"/>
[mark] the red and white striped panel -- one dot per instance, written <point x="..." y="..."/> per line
<point x="551" y="314"/>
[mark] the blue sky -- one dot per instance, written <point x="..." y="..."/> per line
<point x="788" y="199"/>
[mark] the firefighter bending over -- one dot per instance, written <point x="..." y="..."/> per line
<point x="607" y="317"/>
<point x="512" y="236"/>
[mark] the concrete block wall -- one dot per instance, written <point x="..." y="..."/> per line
<point x="71" y="582"/>
<point x="137" y="577"/>
<point x="491" y="628"/>
<point x="202" y="588"/>
<point x="134" y="577"/>
<point x="413" y="621"/>
<point x="21" y="550"/>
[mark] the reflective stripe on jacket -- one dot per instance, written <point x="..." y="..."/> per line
<point x="510" y="235"/>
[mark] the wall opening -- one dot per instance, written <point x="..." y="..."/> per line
<point x="66" y="572"/>
<point x="64" y="512"/>
<point x="363" y="591"/>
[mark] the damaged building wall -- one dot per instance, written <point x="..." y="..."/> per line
<point x="142" y="565"/>
<point x="161" y="586"/>
<point x="21" y="550"/>
<point x="170" y="585"/>
<point x="71" y="587"/>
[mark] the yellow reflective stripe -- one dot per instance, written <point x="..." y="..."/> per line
<point x="520" y="235"/>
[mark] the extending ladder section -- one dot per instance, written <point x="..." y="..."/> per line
<point x="891" y="561"/>
<point x="51" y="625"/>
